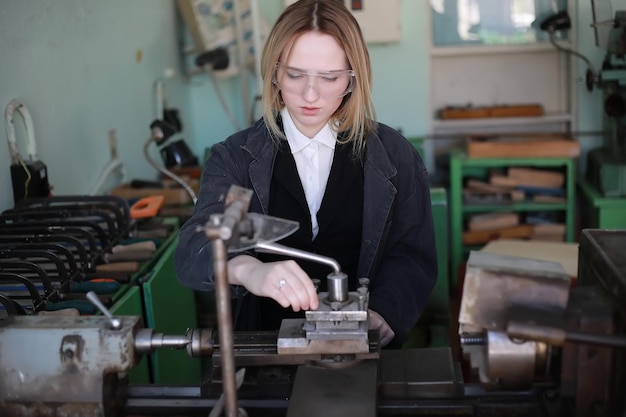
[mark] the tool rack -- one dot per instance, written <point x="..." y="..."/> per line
<point x="53" y="250"/>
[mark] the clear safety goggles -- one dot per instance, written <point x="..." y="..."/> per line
<point x="327" y="84"/>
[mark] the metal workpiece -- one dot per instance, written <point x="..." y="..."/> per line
<point x="295" y="339"/>
<point x="512" y="364"/>
<point x="55" y="365"/>
<point x="493" y="283"/>
<point x="202" y="343"/>
<point x="147" y="341"/>
<point x="340" y="327"/>
<point x="498" y="294"/>
<point x="337" y="287"/>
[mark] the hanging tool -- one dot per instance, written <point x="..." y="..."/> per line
<point x="29" y="178"/>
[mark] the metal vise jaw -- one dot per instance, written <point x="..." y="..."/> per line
<point x="338" y="326"/>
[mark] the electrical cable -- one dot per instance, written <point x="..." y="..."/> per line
<point x="571" y="51"/>
<point x="28" y="176"/>
<point x="112" y="166"/>
<point x="167" y="172"/>
<point x="221" y="99"/>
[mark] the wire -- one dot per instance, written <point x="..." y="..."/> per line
<point x="220" y="96"/>
<point x="571" y="51"/>
<point x="112" y="166"/>
<point x="165" y="171"/>
<point x="28" y="176"/>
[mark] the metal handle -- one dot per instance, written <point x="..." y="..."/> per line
<point x="115" y="323"/>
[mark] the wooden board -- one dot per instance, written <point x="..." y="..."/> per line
<point x="518" y="110"/>
<point x="491" y="221"/>
<point x="522" y="147"/>
<point x="533" y="177"/>
<point x="521" y="231"/>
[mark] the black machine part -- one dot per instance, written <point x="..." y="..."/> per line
<point x="28" y="177"/>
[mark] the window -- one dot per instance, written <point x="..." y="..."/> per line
<point x="491" y="22"/>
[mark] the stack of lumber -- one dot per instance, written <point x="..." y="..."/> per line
<point x="517" y="184"/>
<point x="481" y="228"/>
<point x="513" y="185"/>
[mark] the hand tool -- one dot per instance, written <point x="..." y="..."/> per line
<point x="54" y="300"/>
<point x="146" y="207"/>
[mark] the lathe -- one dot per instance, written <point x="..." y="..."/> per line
<point x="535" y="346"/>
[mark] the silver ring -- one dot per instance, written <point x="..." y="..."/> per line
<point x="281" y="284"/>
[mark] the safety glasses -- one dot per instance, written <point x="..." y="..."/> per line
<point x="327" y="84"/>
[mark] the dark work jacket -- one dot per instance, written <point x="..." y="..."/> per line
<point x="397" y="251"/>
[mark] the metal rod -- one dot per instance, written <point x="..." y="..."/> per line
<point x="225" y="327"/>
<point x="173" y="342"/>
<point x="278" y="249"/>
<point x="114" y="322"/>
<point x="612" y="340"/>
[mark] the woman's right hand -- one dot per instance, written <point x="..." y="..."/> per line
<point x="283" y="281"/>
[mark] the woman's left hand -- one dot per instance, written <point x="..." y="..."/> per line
<point x="377" y="322"/>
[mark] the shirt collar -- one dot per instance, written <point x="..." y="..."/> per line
<point x="298" y="141"/>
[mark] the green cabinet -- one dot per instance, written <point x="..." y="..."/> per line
<point x="462" y="167"/>
<point x="168" y="308"/>
<point x="599" y="212"/>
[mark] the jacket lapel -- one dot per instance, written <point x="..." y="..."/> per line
<point x="379" y="195"/>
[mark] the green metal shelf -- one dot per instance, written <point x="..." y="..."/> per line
<point x="462" y="166"/>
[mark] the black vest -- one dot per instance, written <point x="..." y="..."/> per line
<point x="340" y="220"/>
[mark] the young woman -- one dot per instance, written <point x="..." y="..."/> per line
<point x="358" y="188"/>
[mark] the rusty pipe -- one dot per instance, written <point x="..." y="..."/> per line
<point x="224" y="321"/>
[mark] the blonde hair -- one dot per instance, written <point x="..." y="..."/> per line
<point x="355" y="117"/>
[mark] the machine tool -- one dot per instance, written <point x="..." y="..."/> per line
<point x="538" y="346"/>
<point x="607" y="164"/>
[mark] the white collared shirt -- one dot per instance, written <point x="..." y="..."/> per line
<point x="314" y="157"/>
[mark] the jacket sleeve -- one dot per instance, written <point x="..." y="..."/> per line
<point x="407" y="270"/>
<point x="193" y="257"/>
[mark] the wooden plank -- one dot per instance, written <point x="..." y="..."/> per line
<point x="478" y="237"/>
<point x="471" y="112"/>
<point x="522" y="147"/>
<point x="532" y="177"/>
<point x="491" y="221"/>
